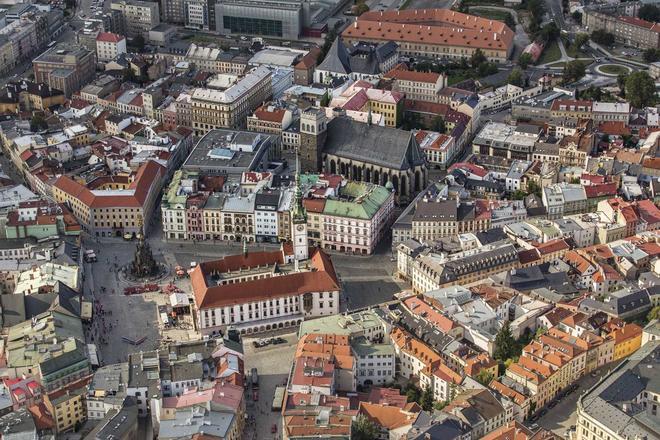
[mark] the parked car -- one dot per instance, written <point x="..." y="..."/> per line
<point x="273" y="429"/>
<point x="278" y="340"/>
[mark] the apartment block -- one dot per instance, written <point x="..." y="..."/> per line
<point x="229" y="108"/>
<point x="65" y="67"/>
<point x="138" y="17"/>
<point x="629" y="31"/>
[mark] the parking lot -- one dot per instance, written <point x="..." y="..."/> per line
<point x="273" y="363"/>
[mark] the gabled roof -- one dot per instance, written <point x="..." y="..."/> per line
<point x="337" y="59"/>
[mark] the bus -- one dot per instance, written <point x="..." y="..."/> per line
<point x="278" y="399"/>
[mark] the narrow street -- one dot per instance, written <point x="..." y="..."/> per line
<point x="563" y="416"/>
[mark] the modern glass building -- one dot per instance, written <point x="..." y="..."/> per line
<point x="272" y="18"/>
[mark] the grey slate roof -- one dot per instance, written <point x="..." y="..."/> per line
<point x="613" y="400"/>
<point x="383" y="146"/>
<point x="337" y="59"/>
<point x="362" y="58"/>
<point x="447" y="427"/>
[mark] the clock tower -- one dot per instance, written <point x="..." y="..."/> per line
<point x="299" y="221"/>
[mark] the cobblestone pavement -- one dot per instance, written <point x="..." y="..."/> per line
<point x="273" y="364"/>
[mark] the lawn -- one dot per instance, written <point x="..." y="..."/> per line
<point x="456" y="77"/>
<point x="550" y="53"/>
<point x="575" y="52"/>
<point x="559" y="64"/>
<point x="613" y="69"/>
<point x="489" y="13"/>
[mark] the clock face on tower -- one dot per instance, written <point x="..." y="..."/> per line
<point x="300" y="227"/>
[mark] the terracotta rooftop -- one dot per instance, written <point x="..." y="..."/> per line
<point x="273" y="115"/>
<point x="401" y="72"/>
<point x="433" y="26"/>
<point x="510" y="431"/>
<point x="321" y="279"/>
<point x="389" y="417"/>
<point x="109" y="37"/>
<point x="141" y="186"/>
<point x="655" y="27"/>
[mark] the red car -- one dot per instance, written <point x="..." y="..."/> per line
<point x="255" y="395"/>
<point x="273" y="429"/>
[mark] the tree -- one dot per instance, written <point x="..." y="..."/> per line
<point x="129" y="75"/>
<point x="477" y="58"/>
<point x="363" y="429"/>
<point x="573" y="71"/>
<point x="591" y="94"/>
<point x="621" y="82"/>
<point x="580" y="40"/>
<point x="438" y="124"/>
<point x="510" y="21"/>
<point x="138" y="43"/>
<point x="533" y="188"/>
<point x="486" y="69"/>
<point x="440" y="405"/>
<point x="516" y="77"/>
<point x="550" y="32"/>
<point x="327" y="43"/>
<point x="540" y="331"/>
<point x="484" y="377"/>
<point x="361" y="8"/>
<point x="577" y="17"/>
<point x="525" y="60"/>
<point x="653" y="314"/>
<point x="532" y="409"/>
<point x="602" y="37"/>
<point x="651" y="55"/>
<point x="413" y="393"/>
<point x="650" y="13"/>
<point x="426" y="401"/>
<point x="38" y="123"/>
<point x="536" y="9"/>
<point x="505" y="345"/>
<point x="640" y="89"/>
<point x="325" y="99"/>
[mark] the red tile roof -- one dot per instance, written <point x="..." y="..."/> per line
<point x="600" y="190"/>
<point x="401" y="72"/>
<point x="655" y="27"/>
<point x="276" y="115"/>
<point x="109" y="37"/>
<point x="432" y="26"/>
<point x="553" y="246"/>
<point x="570" y="104"/>
<point x="322" y="279"/>
<point x="141" y="186"/>
<point x="649" y="212"/>
<point x="614" y="128"/>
